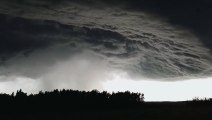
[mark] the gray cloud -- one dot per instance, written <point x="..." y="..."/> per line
<point x="58" y="67"/>
<point x="78" y="49"/>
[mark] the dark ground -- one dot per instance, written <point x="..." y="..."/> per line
<point x="81" y="105"/>
<point x="149" y="112"/>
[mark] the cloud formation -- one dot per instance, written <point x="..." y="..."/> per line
<point x="69" y="46"/>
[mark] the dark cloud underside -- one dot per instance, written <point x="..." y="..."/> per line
<point x="151" y="39"/>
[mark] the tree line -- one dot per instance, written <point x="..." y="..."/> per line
<point x="71" y="99"/>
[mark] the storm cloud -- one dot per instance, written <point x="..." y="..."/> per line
<point x="75" y="45"/>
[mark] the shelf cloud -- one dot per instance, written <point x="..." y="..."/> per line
<point x="76" y="45"/>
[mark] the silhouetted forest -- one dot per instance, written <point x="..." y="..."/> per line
<point x="63" y="99"/>
<point x="95" y="105"/>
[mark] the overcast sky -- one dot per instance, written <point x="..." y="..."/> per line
<point x="158" y="49"/>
